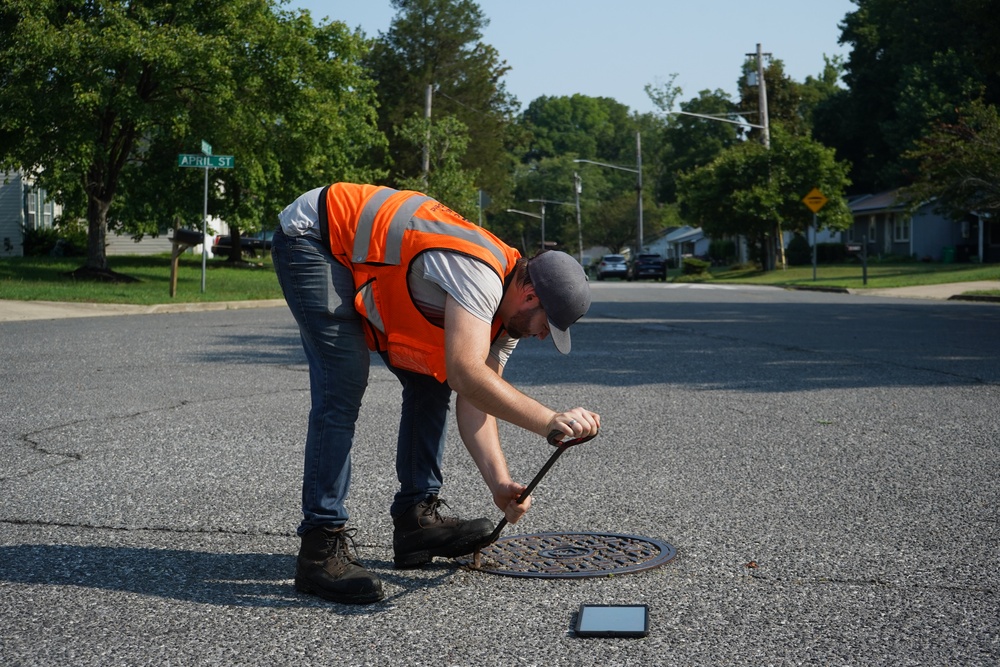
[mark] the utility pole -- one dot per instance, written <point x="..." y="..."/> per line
<point x="638" y="187"/>
<point x="427" y="138"/>
<point x="766" y="138"/>
<point x="762" y="90"/>
<point x="577" y="189"/>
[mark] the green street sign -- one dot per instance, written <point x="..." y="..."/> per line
<point x="206" y="161"/>
<point x="206" y="148"/>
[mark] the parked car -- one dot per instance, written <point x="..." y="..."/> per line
<point x="612" y="266"/>
<point x="647" y="265"/>
<point x="250" y="244"/>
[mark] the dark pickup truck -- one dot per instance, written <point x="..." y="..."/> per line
<point x="250" y="244"/>
<point x="647" y="265"/>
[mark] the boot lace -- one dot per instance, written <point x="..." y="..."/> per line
<point x="432" y="511"/>
<point x="341" y="545"/>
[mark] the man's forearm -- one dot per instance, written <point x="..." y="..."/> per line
<point x="479" y="433"/>
<point x="490" y="393"/>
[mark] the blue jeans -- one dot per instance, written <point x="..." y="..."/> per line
<point x="320" y="294"/>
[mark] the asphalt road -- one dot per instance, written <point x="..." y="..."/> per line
<point x="824" y="464"/>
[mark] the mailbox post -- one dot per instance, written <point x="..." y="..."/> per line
<point x="863" y="249"/>
<point x="181" y="241"/>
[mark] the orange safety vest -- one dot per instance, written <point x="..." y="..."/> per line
<point x="377" y="232"/>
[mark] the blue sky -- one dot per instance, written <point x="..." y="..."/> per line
<point x="563" y="47"/>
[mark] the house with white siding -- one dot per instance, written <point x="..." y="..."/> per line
<point x="22" y="206"/>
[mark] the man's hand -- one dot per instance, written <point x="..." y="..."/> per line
<point x="575" y="423"/>
<point x="505" y="496"/>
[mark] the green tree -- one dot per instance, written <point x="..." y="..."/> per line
<point x="303" y="115"/>
<point x="959" y="163"/>
<point x="99" y="97"/>
<point x="756" y="192"/>
<point x="561" y="129"/>
<point x="439" y="43"/>
<point x="784" y="98"/>
<point x="695" y="141"/>
<point x="816" y="90"/>
<point x="578" y="125"/>
<point x="911" y="63"/>
<point x="549" y="178"/>
<point x="447" y="180"/>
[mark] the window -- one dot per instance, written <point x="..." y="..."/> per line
<point x="872" y="229"/>
<point x="900" y="229"/>
<point x="31" y="218"/>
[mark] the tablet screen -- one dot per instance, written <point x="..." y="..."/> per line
<point x="613" y="621"/>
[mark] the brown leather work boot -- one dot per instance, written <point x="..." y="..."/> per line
<point x="327" y="567"/>
<point x="422" y="533"/>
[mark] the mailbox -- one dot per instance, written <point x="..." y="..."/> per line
<point x="187" y="237"/>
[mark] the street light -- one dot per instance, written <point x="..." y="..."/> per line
<point x="638" y="185"/>
<point x="530" y="215"/>
<point x="543" y="202"/>
<point x="764" y="127"/>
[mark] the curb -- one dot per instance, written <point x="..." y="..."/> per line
<point x="981" y="298"/>
<point x="818" y="288"/>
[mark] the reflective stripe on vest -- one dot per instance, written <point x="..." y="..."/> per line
<point x="398" y="225"/>
<point x="372" y="313"/>
<point x="404" y="220"/>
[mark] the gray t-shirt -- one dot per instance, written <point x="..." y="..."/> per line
<point x="433" y="275"/>
<point x="474" y="285"/>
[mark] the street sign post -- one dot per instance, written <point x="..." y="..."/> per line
<point x="205" y="160"/>
<point x="815" y="200"/>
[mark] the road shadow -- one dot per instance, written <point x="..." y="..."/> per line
<point x="725" y="343"/>
<point x="771" y="347"/>
<point x="226" y="579"/>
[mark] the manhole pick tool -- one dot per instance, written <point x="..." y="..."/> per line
<point x="561" y="446"/>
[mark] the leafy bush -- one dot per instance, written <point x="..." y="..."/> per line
<point x="692" y="266"/>
<point x="67" y="240"/>
<point x="798" y="252"/>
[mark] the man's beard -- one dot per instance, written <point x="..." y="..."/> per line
<point x="518" y="324"/>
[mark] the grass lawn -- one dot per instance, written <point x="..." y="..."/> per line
<point x="44" y="279"/>
<point x="880" y="276"/>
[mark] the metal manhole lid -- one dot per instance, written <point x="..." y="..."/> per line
<point x="571" y="555"/>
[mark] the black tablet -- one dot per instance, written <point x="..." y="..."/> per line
<point x="606" y="620"/>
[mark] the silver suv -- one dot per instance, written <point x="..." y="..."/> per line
<point x="612" y="266"/>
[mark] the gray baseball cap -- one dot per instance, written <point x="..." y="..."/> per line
<point x="563" y="290"/>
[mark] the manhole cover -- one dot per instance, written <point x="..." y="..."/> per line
<point x="571" y="555"/>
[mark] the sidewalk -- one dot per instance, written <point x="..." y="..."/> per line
<point x="943" y="291"/>
<point x="15" y="311"/>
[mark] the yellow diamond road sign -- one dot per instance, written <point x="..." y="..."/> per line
<point x="815" y="200"/>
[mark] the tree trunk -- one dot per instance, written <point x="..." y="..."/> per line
<point x="97" y="234"/>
